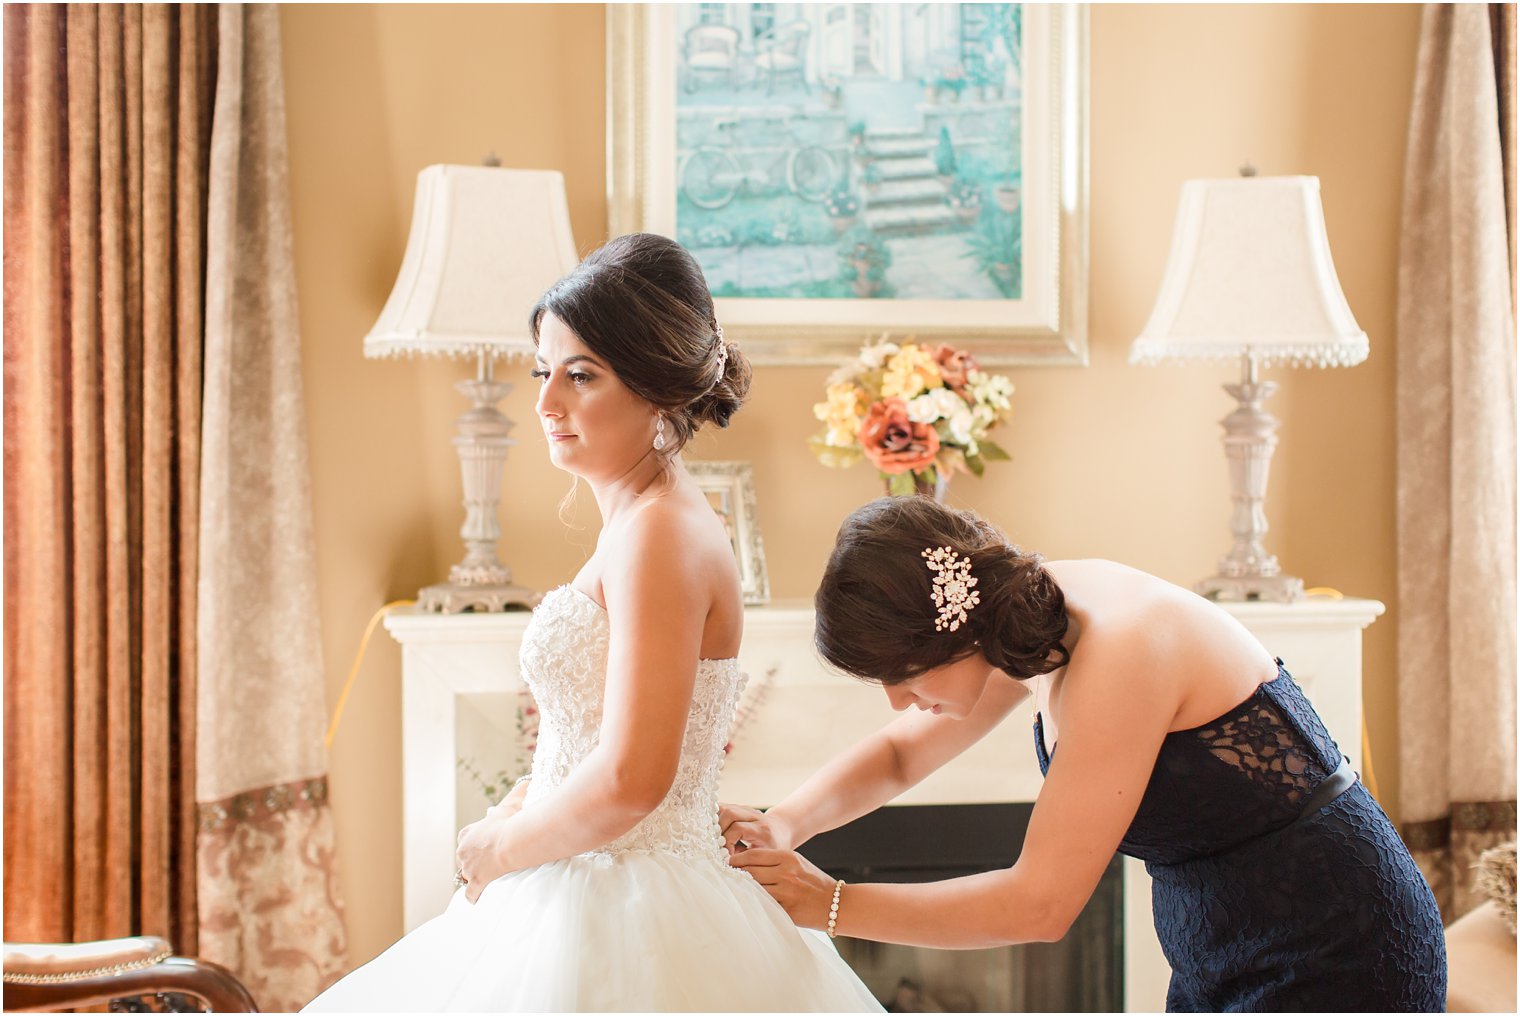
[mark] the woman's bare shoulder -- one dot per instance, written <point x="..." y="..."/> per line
<point x="1119" y="604"/>
<point x="1149" y="636"/>
<point x="676" y="536"/>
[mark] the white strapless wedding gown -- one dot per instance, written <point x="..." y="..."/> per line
<point x="655" y="921"/>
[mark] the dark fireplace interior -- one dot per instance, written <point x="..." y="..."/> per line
<point x="924" y="843"/>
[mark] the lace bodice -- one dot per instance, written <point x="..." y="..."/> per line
<point x="1242" y="775"/>
<point x="564" y="661"/>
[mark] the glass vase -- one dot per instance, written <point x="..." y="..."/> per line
<point x="936" y="486"/>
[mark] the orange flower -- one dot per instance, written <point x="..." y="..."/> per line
<point x="954" y="365"/>
<point x="894" y="443"/>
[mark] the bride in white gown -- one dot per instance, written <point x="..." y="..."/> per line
<point x="602" y="884"/>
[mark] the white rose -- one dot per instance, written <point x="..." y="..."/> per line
<point x="961" y="425"/>
<point x="924" y="409"/>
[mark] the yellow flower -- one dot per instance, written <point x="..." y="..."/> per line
<point x="842" y="412"/>
<point x="912" y="371"/>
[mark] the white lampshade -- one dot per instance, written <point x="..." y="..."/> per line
<point x="485" y="244"/>
<point x="1250" y="274"/>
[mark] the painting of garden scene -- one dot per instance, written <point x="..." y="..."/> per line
<point x="851" y="151"/>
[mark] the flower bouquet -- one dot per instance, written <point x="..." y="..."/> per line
<point x="919" y="415"/>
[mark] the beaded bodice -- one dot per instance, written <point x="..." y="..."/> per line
<point x="564" y="661"/>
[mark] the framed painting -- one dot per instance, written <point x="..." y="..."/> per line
<point x="845" y="171"/>
<point x="730" y="489"/>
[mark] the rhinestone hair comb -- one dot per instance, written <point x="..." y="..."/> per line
<point x="954" y="590"/>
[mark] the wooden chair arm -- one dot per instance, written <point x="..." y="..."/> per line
<point x="49" y="977"/>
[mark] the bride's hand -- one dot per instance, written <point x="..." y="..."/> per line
<point x="481" y="854"/>
<point x="512" y="803"/>
<point x="747" y="827"/>
<point x="803" y="890"/>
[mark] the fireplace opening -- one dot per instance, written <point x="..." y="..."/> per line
<point x="924" y="843"/>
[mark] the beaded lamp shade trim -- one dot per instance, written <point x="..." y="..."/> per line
<point x="1345" y="353"/>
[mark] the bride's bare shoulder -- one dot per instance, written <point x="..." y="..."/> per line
<point x="670" y="538"/>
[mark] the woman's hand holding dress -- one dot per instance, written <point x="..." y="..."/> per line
<point x="749" y="827"/>
<point x="801" y="887"/>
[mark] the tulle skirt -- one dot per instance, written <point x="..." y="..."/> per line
<point x="637" y="931"/>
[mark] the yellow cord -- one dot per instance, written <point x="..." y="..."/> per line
<point x="1368" y="777"/>
<point x="1325" y="593"/>
<point x="348" y="686"/>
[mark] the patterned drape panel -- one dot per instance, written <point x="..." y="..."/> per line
<point x="107" y="116"/>
<point x="1456" y="452"/>
<point x="269" y="906"/>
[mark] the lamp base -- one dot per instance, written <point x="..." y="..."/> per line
<point x="1235" y="588"/>
<point x="463" y="598"/>
<point x="1248" y="572"/>
<point x="480" y="583"/>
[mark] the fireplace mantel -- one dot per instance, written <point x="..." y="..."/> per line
<point x="460" y="676"/>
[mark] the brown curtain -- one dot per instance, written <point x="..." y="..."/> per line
<point x="107" y="117"/>
<point x="1456" y="450"/>
<point x="164" y="772"/>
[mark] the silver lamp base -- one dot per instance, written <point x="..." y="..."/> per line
<point x="1248" y="571"/>
<point x="1275" y="588"/>
<point x="480" y="582"/>
<point x="457" y="598"/>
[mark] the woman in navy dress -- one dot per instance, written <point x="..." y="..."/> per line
<point x="1164" y="729"/>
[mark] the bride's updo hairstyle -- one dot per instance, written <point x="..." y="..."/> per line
<point x="875" y="607"/>
<point x="641" y="304"/>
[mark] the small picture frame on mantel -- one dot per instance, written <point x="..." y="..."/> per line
<point x="730" y="489"/>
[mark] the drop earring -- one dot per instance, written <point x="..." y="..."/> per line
<point x="659" y="433"/>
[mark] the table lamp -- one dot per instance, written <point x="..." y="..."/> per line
<point x="485" y="244"/>
<point x="1249" y="277"/>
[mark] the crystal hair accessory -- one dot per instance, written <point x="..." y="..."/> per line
<point x="954" y="587"/>
<point x="722" y="355"/>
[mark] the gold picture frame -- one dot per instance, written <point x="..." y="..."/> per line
<point x="730" y="489"/>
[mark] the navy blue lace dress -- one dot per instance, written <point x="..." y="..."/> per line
<point x="1266" y="900"/>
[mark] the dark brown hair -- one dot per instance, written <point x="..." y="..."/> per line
<point x="875" y="612"/>
<point x="640" y="303"/>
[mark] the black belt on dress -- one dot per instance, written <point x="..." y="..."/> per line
<point x="1330" y="788"/>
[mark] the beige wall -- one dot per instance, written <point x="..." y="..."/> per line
<point x="1110" y="460"/>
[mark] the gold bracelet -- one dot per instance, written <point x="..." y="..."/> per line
<point x="834" y="907"/>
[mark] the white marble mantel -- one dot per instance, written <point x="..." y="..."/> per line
<point x="457" y="667"/>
